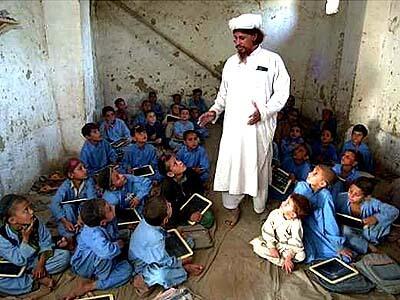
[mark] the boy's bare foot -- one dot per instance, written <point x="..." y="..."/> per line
<point x="81" y="288"/>
<point x="47" y="282"/>
<point x="233" y="218"/>
<point x="142" y="289"/>
<point x="194" y="269"/>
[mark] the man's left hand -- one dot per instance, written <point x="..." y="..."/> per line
<point x="254" y="117"/>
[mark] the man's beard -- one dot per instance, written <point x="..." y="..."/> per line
<point x="243" y="54"/>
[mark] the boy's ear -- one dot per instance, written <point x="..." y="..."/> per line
<point x="11" y="220"/>
<point x="323" y="184"/>
<point x="170" y="174"/>
<point x="103" y="222"/>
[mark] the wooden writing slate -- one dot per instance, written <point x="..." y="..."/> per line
<point x="280" y="180"/>
<point x="127" y="216"/>
<point x="333" y="270"/>
<point x="196" y="203"/>
<point x="349" y="221"/>
<point x="120" y="143"/>
<point x="144" y="171"/>
<point x="176" y="246"/>
<point x="8" y="269"/>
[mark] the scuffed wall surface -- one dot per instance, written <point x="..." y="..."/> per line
<point x="29" y="135"/>
<point x="376" y="102"/>
<point x="133" y="59"/>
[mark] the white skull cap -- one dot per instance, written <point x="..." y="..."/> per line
<point x="246" y="21"/>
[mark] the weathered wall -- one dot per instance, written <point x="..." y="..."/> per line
<point x="376" y="102"/>
<point x="29" y="135"/>
<point x="132" y="58"/>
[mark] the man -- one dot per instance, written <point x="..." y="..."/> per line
<point x="255" y="86"/>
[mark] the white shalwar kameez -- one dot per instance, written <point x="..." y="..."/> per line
<point x="244" y="160"/>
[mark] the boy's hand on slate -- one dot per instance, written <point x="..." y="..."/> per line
<point x="274" y="252"/>
<point x="346" y="252"/>
<point x="370" y="221"/>
<point x="196" y="217"/>
<point x="134" y="202"/>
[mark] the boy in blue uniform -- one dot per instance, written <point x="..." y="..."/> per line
<point x="298" y="164"/>
<point x="25" y="241"/>
<point x="147" y="252"/>
<point x="289" y="143"/>
<point x="323" y="151"/>
<point x="154" y="129"/>
<point x="124" y="191"/>
<point x="140" y="154"/>
<point x="322" y="237"/>
<point x="198" y="101"/>
<point x="193" y="155"/>
<point x="194" y="118"/>
<point x="77" y="186"/>
<point x="358" y="134"/>
<point x="155" y="106"/>
<point x="112" y="128"/>
<point x="377" y="216"/>
<point x="96" y="153"/>
<point x="180" y="127"/>
<point x="96" y="257"/>
<point x="140" y="118"/>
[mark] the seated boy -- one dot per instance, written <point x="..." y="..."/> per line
<point x="96" y="258"/>
<point x="154" y="129"/>
<point x="96" y="153"/>
<point x="25" y="241"/>
<point x="298" y="164"/>
<point x="140" y="154"/>
<point x="328" y="120"/>
<point x="148" y="255"/>
<point x="181" y="183"/>
<point x="124" y="191"/>
<point x="322" y="237"/>
<point x="198" y="101"/>
<point x="376" y="215"/>
<point x="358" y="134"/>
<point x="112" y="128"/>
<point x="323" y="151"/>
<point x="289" y="143"/>
<point x="169" y="125"/>
<point x="180" y="127"/>
<point x="156" y="107"/>
<point x="122" y="112"/>
<point x="77" y="186"/>
<point x="140" y="118"/>
<point x="282" y="233"/>
<point x="193" y="155"/>
<point x="177" y="99"/>
<point x="194" y="118"/>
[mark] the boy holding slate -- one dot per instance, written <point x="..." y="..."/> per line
<point x="112" y="128"/>
<point x="77" y="186"/>
<point x="96" y="257"/>
<point x="148" y="254"/>
<point x="26" y="242"/>
<point x="181" y="183"/>
<point x="322" y="237"/>
<point x="376" y="216"/>
<point x="282" y="233"/>
<point x="96" y="153"/>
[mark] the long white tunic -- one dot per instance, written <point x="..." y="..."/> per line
<point x="246" y="150"/>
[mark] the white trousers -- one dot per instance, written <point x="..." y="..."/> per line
<point x="231" y="201"/>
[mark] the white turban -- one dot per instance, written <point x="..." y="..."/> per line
<point x="246" y="21"/>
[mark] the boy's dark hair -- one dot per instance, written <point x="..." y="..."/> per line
<point x="184" y="108"/>
<point x="163" y="166"/>
<point x="298" y="126"/>
<point x="148" y="112"/>
<point x="301" y="205"/>
<point x="7" y="205"/>
<point x="92" y="212"/>
<point x="106" y="109"/>
<point x="173" y="104"/>
<point x="152" y="93"/>
<point x="145" y="101"/>
<point x="305" y="146"/>
<point x="118" y="101"/>
<point x="137" y="129"/>
<point x="327" y="173"/>
<point x="198" y="90"/>
<point x="357" y="155"/>
<point x="155" y="211"/>
<point x="88" y="127"/>
<point x="360" y="128"/>
<point x="187" y="132"/>
<point x="176" y="95"/>
<point x="103" y="179"/>
<point x="258" y="32"/>
<point x="327" y="128"/>
<point x="365" y="184"/>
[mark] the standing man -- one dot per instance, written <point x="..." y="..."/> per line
<point x="255" y="86"/>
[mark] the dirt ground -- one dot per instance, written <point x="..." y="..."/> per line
<point x="232" y="270"/>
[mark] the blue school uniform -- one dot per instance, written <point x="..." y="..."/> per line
<point x="322" y="238"/>
<point x="97" y="156"/>
<point x="201" y="104"/>
<point x="181" y="126"/>
<point x="156" y="130"/>
<point x="158" y="110"/>
<point x="201" y="131"/>
<point x="96" y="256"/>
<point x="358" y="239"/>
<point x="135" y="187"/>
<point x="27" y="254"/>
<point x="66" y="192"/>
<point x="341" y="186"/>
<point x="288" y="144"/>
<point x="367" y="163"/>
<point x="300" y="171"/>
<point x="323" y="154"/>
<point x="140" y="119"/>
<point x="136" y="156"/>
<point x="116" y="131"/>
<point x="151" y="260"/>
<point x="195" y="158"/>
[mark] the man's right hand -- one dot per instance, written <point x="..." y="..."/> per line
<point x="206" y="118"/>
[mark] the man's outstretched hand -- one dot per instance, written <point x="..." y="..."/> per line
<point x="206" y="118"/>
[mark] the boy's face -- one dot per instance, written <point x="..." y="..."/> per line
<point x="288" y="208"/>
<point x="326" y="115"/>
<point x="146" y="106"/>
<point x="152" y="98"/>
<point x="326" y="137"/>
<point x="23" y="214"/>
<point x="176" y="167"/>
<point x="140" y="137"/>
<point x="122" y="105"/>
<point x="175" y="110"/>
<point x="355" y="194"/>
<point x="357" y="137"/>
<point x="151" y="118"/>
<point x="348" y="159"/>
<point x="177" y="99"/>
<point x="195" y="114"/>
<point x="197" y="96"/>
<point x="95" y="136"/>
<point x="316" y="178"/>
<point x="109" y="116"/>
<point x="109" y="213"/>
<point x="191" y="141"/>
<point x="79" y="172"/>
<point x="185" y="114"/>
<point x="295" y="132"/>
<point x="300" y="153"/>
<point x="118" y="180"/>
